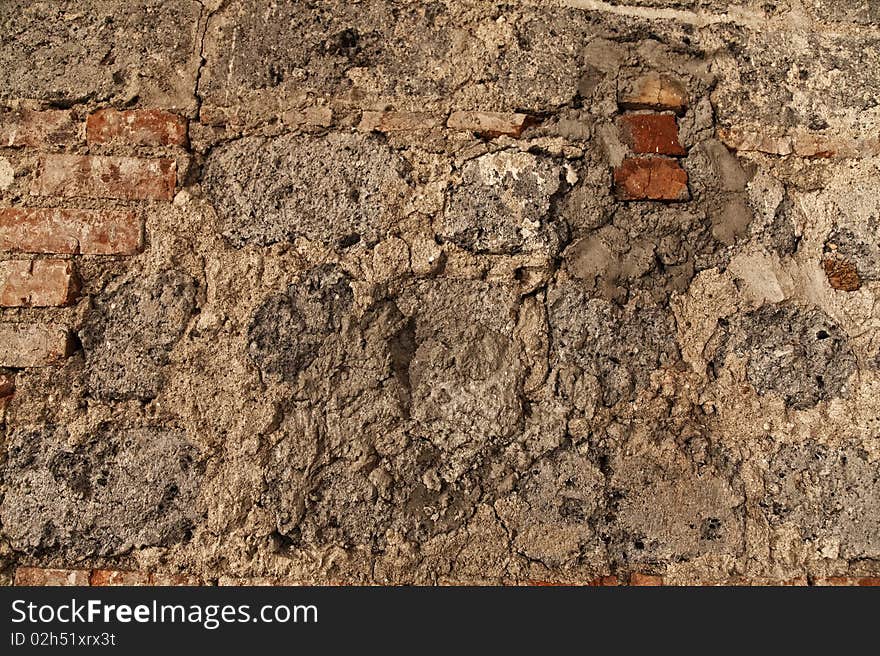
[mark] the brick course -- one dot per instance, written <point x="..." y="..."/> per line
<point x="37" y="283"/>
<point x="142" y="127"/>
<point x="490" y="124"/>
<point x="47" y="130"/>
<point x="121" y="178"/>
<point x="650" y="179"/>
<point x="33" y="345"/>
<point x="651" y="134"/>
<point x="69" y="231"/>
<point x="38" y="576"/>
<point x="655" y="92"/>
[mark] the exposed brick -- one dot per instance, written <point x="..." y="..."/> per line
<point x="158" y="578"/>
<point x="645" y="580"/>
<point x="651" y="133"/>
<point x="654" y="92"/>
<point x="28" y="345"/>
<point x="491" y="124"/>
<point x="67" y="231"/>
<point x="650" y="179"/>
<point x="604" y="581"/>
<point x="108" y="577"/>
<point x="861" y="581"/>
<point x="842" y="274"/>
<point x="50" y="577"/>
<point x="398" y="121"/>
<point x="37" y="283"/>
<point x="123" y="178"/>
<point x="7" y="385"/>
<point x="48" y="129"/>
<point x="746" y="139"/>
<point x="141" y="127"/>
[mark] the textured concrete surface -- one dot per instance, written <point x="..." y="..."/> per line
<point x="365" y="343"/>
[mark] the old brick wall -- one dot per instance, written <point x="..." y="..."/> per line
<point x="459" y="291"/>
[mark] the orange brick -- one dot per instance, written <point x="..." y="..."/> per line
<point x="491" y="124"/>
<point x="650" y="179"/>
<point x="654" y="92"/>
<point x="645" y="580"/>
<point x="50" y="577"/>
<point x="33" y="345"/>
<point x="7" y="385"/>
<point x="604" y="581"/>
<point x="655" y="134"/>
<point x="864" y="581"/>
<point x="122" y="178"/>
<point x="140" y="127"/>
<point x="67" y="231"/>
<point x="47" y="130"/>
<point x="841" y="273"/>
<point x="398" y="121"/>
<point x="37" y="283"/>
<point x="109" y="577"/>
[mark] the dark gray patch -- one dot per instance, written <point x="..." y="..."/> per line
<point x="619" y="346"/>
<point x="827" y="493"/>
<point x="128" y="334"/>
<point x="288" y="329"/>
<point x="799" y="353"/>
<point x="114" y="492"/>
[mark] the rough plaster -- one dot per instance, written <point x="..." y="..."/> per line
<point x="426" y="356"/>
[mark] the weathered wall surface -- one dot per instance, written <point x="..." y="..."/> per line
<point x="452" y="291"/>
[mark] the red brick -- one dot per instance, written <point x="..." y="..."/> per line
<point x="7" y="385"/>
<point x="841" y="273"/>
<point x="50" y="577"/>
<point x="655" y="134"/>
<point x="122" y="178"/>
<point x="33" y="345"/>
<point x="645" y="580"/>
<point x="37" y="283"/>
<point x="140" y="127"/>
<point x="67" y="231"/>
<point x="642" y="178"/>
<point x="654" y="92"/>
<point x="604" y="581"/>
<point x="863" y="581"/>
<point x="108" y="577"/>
<point x="157" y="578"/>
<point x="49" y="129"/>
<point x="491" y="124"/>
<point x="398" y="121"/>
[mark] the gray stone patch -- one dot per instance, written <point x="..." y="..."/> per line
<point x="829" y="494"/>
<point x="116" y="491"/>
<point x="618" y="346"/>
<point x="799" y="353"/>
<point x="288" y="329"/>
<point x="503" y="204"/>
<point x="809" y="80"/>
<point x="130" y="331"/>
<point x="336" y="189"/>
